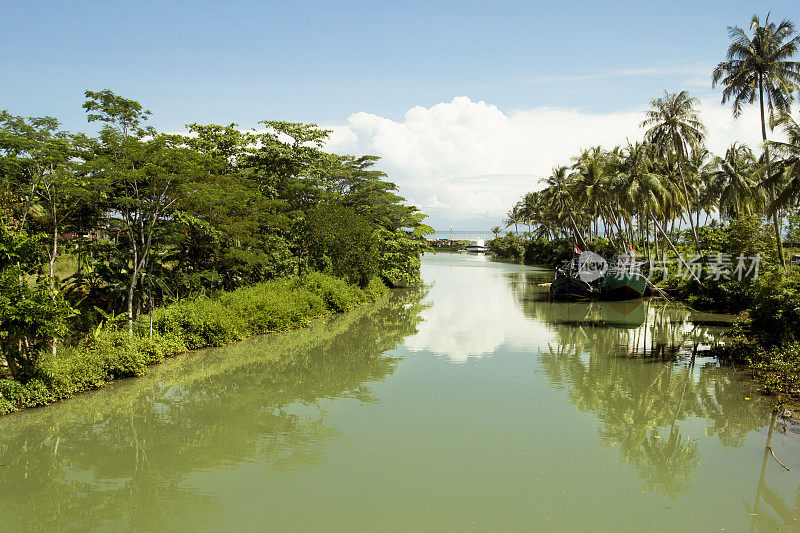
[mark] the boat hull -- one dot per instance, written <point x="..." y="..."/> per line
<point x="622" y="286"/>
<point x="570" y="289"/>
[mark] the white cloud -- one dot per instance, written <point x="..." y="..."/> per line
<point x="462" y="160"/>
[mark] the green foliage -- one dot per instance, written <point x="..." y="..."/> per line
<point x="342" y="242"/>
<point x="715" y="237"/>
<point x="338" y="295"/>
<point x="793" y="234"/>
<point x="547" y="252"/>
<point x="160" y="225"/>
<point x="200" y="322"/>
<point x="775" y="309"/>
<point x="509" y="246"/>
<point x="399" y="256"/>
<point x="32" y="314"/>
<point x="778" y="368"/>
<point x="113" y="109"/>
<point x="110" y="353"/>
<point x="31" y="317"/>
<point x="750" y="236"/>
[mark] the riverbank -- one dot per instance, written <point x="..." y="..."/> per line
<point x="112" y="353"/>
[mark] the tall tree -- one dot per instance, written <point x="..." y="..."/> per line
<point x="760" y="67"/>
<point x="788" y="168"/>
<point x="559" y="194"/>
<point x="141" y="173"/>
<point x="675" y="127"/>
<point x="734" y="183"/>
<point x="513" y="218"/>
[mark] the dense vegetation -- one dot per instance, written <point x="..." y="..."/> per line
<point x="120" y="248"/>
<point x="672" y="200"/>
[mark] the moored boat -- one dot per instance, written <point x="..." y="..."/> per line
<point x="478" y="246"/>
<point x="623" y="281"/>
<point x="570" y="288"/>
<point x="568" y="283"/>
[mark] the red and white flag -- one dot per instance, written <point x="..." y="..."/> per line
<point x="631" y="250"/>
<point x="577" y="250"/>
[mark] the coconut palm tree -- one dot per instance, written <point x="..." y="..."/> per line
<point x="788" y="169"/>
<point x="761" y="67"/>
<point x="513" y="218"/>
<point x="590" y="183"/>
<point x="675" y="127"/>
<point x="640" y="189"/>
<point x="528" y="208"/>
<point x="560" y="197"/>
<point x="734" y="183"/>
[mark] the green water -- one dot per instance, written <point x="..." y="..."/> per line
<point x="471" y="404"/>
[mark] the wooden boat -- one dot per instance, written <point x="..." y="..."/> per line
<point x="568" y="285"/>
<point x="623" y="281"/>
<point x="570" y="288"/>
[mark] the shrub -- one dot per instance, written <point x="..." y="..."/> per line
<point x="201" y="322"/>
<point x="338" y="295"/>
<point x="544" y="252"/>
<point x="775" y="309"/>
<point x="778" y="368"/>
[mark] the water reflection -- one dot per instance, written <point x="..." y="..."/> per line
<point x="123" y="456"/>
<point x="472" y="312"/>
<point x="770" y="511"/>
<point x="638" y="366"/>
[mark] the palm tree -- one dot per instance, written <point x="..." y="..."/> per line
<point x="640" y="188"/>
<point x="528" y="206"/>
<point x="760" y="67"/>
<point x="733" y="182"/>
<point x="789" y="167"/>
<point x="675" y="127"/>
<point x="513" y="217"/>
<point x="559" y="195"/>
<point x="591" y="182"/>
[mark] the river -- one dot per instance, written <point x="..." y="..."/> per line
<point x="472" y="404"/>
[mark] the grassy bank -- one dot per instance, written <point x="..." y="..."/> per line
<point x="111" y="353"/>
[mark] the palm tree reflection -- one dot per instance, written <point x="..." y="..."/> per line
<point x="638" y="366"/>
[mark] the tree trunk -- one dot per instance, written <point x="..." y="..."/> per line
<point x="130" y="304"/>
<point x="770" y="187"/>
<point x="578" y="235"/>
<point x="151" y="314"/>
<point x="688" y="208"/>
<point x="680" y="258"/>
<point x="53" y="255"/>
<point x="12" y="363"/>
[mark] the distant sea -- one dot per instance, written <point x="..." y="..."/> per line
<point x="462" y="235"/>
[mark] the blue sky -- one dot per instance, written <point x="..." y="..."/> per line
<point x="326" y="62"/>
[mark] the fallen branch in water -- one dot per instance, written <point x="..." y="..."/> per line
<point x="658" y="289"/>
<point x="779" y="461"/>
